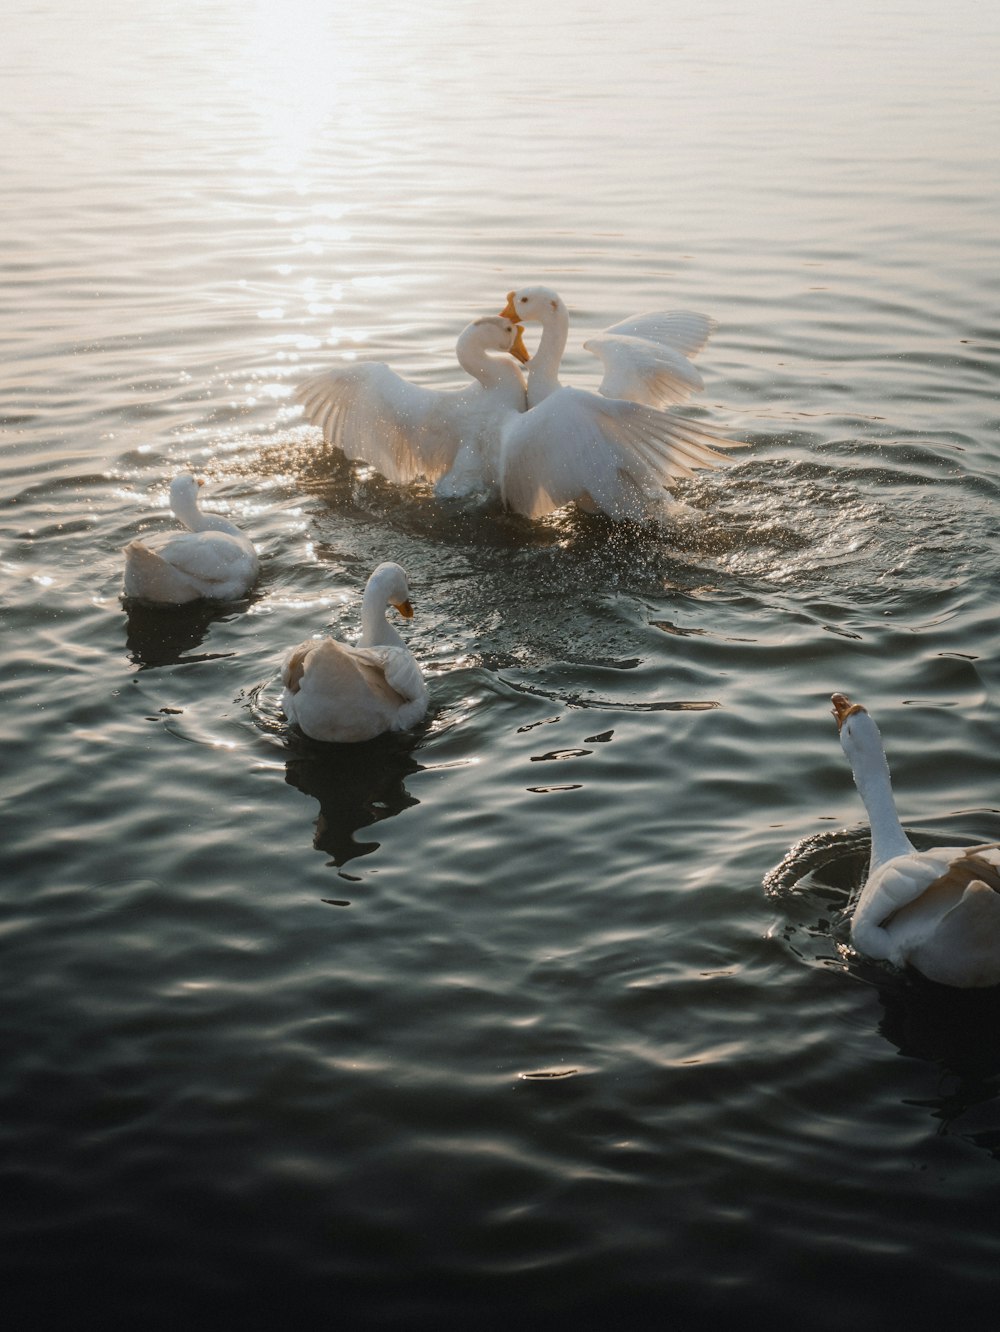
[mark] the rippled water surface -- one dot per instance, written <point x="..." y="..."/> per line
<point x="548" y="1012"/>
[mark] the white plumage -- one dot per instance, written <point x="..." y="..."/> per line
<point x="542" y="447"/>
<point x="341" y="693"/>
<point x="212" y="559"/>
<point x="406" y="431"/>
<point x="614" y="450"/>
<point x="938" y="910"/>
<point x="646" y="357"/>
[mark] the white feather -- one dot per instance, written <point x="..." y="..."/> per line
<point x="614" y="450"/>
<point x="407" y="431"/>
<point x="646" y="372"/>
<point x="338" y="692"/>
<point x="212" y="559"/>
<point x="607" y="454"/>
<point x="937" y="910"/>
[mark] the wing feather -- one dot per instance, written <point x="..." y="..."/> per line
<point x="646" y="357"/>
<point x="375" y="416"/>
<point x="642" y="371"/>
<point x="684" y="330"/>
<point x="212" y="557"/>
<point x="617" y="456"/>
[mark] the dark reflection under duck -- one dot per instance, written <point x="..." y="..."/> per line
<point x="165" y="635"/>
<point x="356" y="785"/>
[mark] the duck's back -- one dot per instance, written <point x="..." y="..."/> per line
<point x="339" y="693"/>
<point x="151" y="577"/>
<point x="964" y="949"/>
<point x="183" y="566"/>
<point x="938" y="910"/>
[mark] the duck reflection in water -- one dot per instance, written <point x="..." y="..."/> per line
<point x="356" y="785"/>
<point x="947" y="1028"/>
<point x="164" y="635"/>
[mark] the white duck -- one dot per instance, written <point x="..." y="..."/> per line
<point x="613" y="450"/>
<point x="645" y="357"/>
<point x="211" y="559"/>
<point x="348" y="694"/>
<point x="407" y="431"/>
<point x="938" y="910"/>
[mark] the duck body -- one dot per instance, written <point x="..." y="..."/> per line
<point x="337" y="692"/>
<point x="406" y="431"/>
<point x="603" y="454"/>
<point x="615" y="450"/>
<point x="937" y="910"/>
<point x="212" y="559"/>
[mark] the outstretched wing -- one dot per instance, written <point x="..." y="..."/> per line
<point x="641" y="371"/>
<point x="377" y="417"/>
<point x="683" y="330"/>
<point x="646" y="357"/>
<point x="618" y="456"/>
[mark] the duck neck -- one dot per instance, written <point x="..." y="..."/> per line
<point x="543" y="368"/>
<point x="492" y="372"/>
<point x="376" y="631"/>
<point x="871" y="776"/>
<point x="186" y="508"/>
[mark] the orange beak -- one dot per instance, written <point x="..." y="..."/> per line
<point x="844" y="708"/>
<point x="519" y="351"/>
<point x="405" y="609"/>
<point x="508" y="312"/>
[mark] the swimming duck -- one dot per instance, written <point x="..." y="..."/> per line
<point x="212" y="559"/>
<point x="337" y="692"/>
<point x="614" y="450"/>
<point x="939" y="909"/>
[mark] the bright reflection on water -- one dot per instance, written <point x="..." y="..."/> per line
<point x="549" y="1009"/>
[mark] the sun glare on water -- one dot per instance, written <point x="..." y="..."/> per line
<point x="320" y="73"/>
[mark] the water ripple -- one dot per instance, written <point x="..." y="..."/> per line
<point x="534" y="1015"/>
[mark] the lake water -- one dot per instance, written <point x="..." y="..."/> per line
<point x="547" y="1014"/>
